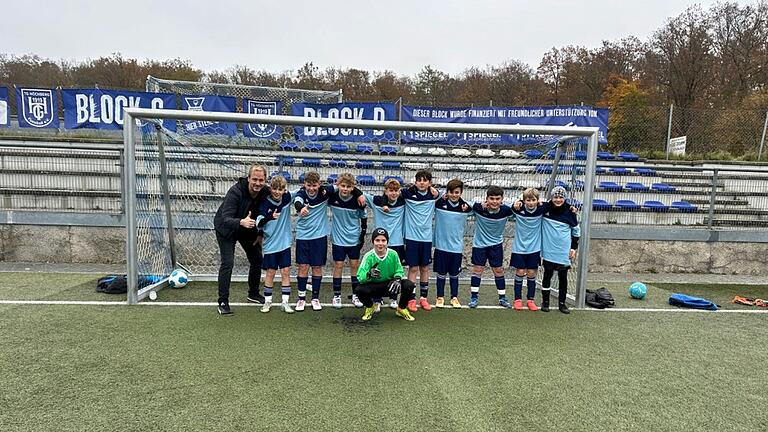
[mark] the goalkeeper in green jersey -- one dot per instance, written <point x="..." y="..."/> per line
<point x="381" y="274"/>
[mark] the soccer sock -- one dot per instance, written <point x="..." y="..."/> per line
<point x="501" y="286"/>
<point x="454" y="280"/>
<point x="302" y="287"/>
<point x="355" y="283"/>
<point x="267" y="293"/>
<point x="336" y="286"/>
<point x="562" y="287"/>
<point x="316" y="280"/>
<point x="544" y="296"/>
<point x="474" y="285"/>
<point x="286" y="291"/>
<point x="440" y="285"/>
<point x="531" y="288"/>
<point x="424" y="288"/>
<point x="518" y="287"/>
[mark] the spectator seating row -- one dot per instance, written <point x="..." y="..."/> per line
<point x="610" y="186"/>
<point x="652" y="205"/>
<point x="582" y="155"/>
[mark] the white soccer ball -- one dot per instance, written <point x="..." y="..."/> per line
<point x="178" y="279"/>
<point x="153" y="295"/>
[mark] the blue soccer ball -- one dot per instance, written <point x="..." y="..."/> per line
<point x="178" y="279"/>
<point x="638" y="290"/>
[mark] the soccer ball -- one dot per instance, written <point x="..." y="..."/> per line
<point x="178" y="279"/>
<point x="638" y="290"/>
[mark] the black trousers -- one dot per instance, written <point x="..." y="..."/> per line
<point x="562" y="281"/>
<point x="227" y="253"/>
<point x="367" y="291"/>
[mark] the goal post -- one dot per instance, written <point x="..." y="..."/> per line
<point x="174" y="180"/>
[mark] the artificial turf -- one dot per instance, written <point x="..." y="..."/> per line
<point x="71" y="367"/>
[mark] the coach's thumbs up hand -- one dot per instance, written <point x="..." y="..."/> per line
<point x="247" y="222"/>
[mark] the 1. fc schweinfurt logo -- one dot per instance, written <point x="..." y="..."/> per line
<point x="258" y="107"/>
<point x="37" y="106"/>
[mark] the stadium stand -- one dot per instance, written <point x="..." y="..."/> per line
<point x="625" y="204"/>
<point x="637" y="187"/>
<point x="339" y="148"/>
<point x="657" y="206"/>
<point x="609" y="186"/>
<point x="311" y="162"/>
<point x="314" y="147"/>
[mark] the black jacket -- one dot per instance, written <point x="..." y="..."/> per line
<point x="237" y="202"/>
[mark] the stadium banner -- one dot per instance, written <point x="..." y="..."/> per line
<point x="5" y="115"/>
<point x="209" y="103"/>
<point x="347" y="110"/>
<point x="103" y="109"/>
<point x="263" y="131"/>
<point x="539" y="116"/>
<point x="38" y="108"/>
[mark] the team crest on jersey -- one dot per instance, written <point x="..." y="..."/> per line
<point x="265" y="108"/>
<point x="37" y="106"/>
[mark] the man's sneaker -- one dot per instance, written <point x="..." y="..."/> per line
<point x="286" y="308"/>
<point x="393" y="304"/>
<point x="300" y="305"/>
<point x="518" y="304"/>
<point x="455" y="303"/>
<point x="336" y="302"/>
<point x="255" y="298"/>
<point x="440" y="302"/>
<point x="267" y="305"/>
<point x="356" y="301"/>
<point x="531" y="305"/>
<point x="316" y="305"/>
<point x="473" y="302"/>
<point x="368" y="314"/>
<point x="224" y="309"/>
<point x="503" y="302"/>
<point x="404" y="314"/>
<point x="412" y="305"/>
<point x="376" y="307"/>
<point x="424" y="303"/>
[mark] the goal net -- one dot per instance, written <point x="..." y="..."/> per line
<point x="180" y="164"/>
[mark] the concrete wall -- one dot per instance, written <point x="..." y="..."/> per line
<point x="106" y="245"/>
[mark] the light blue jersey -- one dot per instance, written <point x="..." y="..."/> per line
<point x="450" y="223"/>
<point x="419" y="211"/>
<point x="345" y="229"/>
<point x="489" y="226"/>
<point x="528" y="229"/>
<point x="277" y="232"/>
<point x="392" y="221"/>
<point x="315" y="224"/>
<point x="560" y="233"/>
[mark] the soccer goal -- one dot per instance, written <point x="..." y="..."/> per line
<point x="180" y="164"/>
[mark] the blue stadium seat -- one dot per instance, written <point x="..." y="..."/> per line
<point x="301" y="177"/>
<point x="544" y="168"/>
<point x="604" y="155"/>
<point x="313" y="162"/>
<point x="289" y="146"/>
<point x="337" y="163"/>
<point x="638" y="187"/>
<point x="314" y="147"/>
<point x="398" y="178"/>
<point x="366" y="180"/>
<point x="599" y="170"/>
<point x="599" y="204"/>
<point x="627" y="205"/>
<point x="560" y="183"/>
<point x="364" y="148"/>
<point x="285" y="174"/>
<point x="662" y="187"/>
<point x="364" y="164"/>
<point x="332" y="178"/>
<point x="619" y="170"/>
<point x="628" y="156"/>
<point x="645" y="171"/>
<point x="285" y="160"/>
<point x="580" y="155"/>
<point x="339" y="148"/>
<point x="533" y="154"/>
<point x="576" y="203"/>
<point x="389" y="164"/>
<point x="656" y="206"/>
<point x="551" y="154"/>
<point x="609" y="186"/>
<point x="390" y="150"/>
<point x="578" y="185"/>
<point x="684" y="206"/>
<point x="565" y="169"/>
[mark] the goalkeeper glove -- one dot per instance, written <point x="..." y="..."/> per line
<point x="394" y="287"/>
<point x="374" y="272"/>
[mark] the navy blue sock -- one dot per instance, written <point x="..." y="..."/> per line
<point x="302" y="287"/>
<point x="424" y="288"/>
<point x="518" y="287"/>
<point x="440" y="285"/>
<point x="475" y="285"/>
<point x="316" y="281"/>
<point x="454" y="280"/>
<point x="286" y="292"/>
<point x="531" y="288"/>
<point x="268" y="292"/>
<point x="355" y="283"/>
<point x="336" y="286"/>
<point x="500" y="286"/>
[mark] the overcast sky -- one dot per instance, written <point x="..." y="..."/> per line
<point x="396" y="35"/>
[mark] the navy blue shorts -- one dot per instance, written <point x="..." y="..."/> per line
<point x="418" y="253"/>
<point x="277" y="260"/>
<point x="525" y="261"/>
<point x="400" y="252"/>
<point x="313" y="252"/>
<point x="340" y="253"/>
<point x="493" y="255"/>
<point x="447" y="262"/>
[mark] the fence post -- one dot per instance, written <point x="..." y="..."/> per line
<point x="712" y="196"/>
<point x="762" y="140"/>
<point x="669" y="130"/>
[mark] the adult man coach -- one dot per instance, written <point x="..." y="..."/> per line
<point x="234" y="223"/>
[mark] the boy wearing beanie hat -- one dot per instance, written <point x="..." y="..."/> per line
<point x="380" y="273"/>
<point x="559" y="240"/>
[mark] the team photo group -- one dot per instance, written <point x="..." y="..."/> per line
<point x="414" y="227"/>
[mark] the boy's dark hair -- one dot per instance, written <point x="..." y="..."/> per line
<point x="494" y="191"/>
<point x="423" y="175"/>
<point x="312" y="177"/>
<point x="455" y="184"/>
